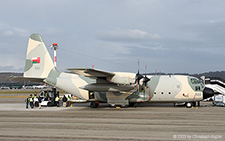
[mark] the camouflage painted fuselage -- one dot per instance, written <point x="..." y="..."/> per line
<point x="161" y="88"/>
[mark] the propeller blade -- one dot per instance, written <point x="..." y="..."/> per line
<point x="145" y="81"/>
<point x="138" y="76"/>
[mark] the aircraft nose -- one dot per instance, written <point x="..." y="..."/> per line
<point x="207" y="92"/>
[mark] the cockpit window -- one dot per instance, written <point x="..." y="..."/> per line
<point x="195" y="81"/>
<point x="196" y="84"/>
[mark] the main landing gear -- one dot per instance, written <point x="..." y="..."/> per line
<point x="94" y="105"/>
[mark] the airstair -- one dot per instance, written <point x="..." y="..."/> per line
<point x="217" y="86"/>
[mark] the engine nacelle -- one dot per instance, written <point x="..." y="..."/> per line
<point x="123" y="78"/>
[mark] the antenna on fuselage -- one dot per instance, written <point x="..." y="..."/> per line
<point x="146" y="79"/>
<point x="138" y="75"/>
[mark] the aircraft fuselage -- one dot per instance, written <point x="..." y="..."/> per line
<point x="161" y="88"/>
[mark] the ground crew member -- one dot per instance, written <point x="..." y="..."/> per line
<point x="91" y="95"/>
<point x="64" y="101"/>
<point x="36" y="103"/>
<point x="31" y="99"/>
<point x="39" y="102"/>
<point x="27" y="102"/>
<point x="57" y="100"/>
<point x="68" y="99"/>
<point x="46" y="96"/>
<point x="35" y="96"/>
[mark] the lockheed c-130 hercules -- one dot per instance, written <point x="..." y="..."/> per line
<point x="114" y="88"/>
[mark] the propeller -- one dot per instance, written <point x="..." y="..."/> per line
<point x="138" y="75"/>
<point x="146" y="79"/>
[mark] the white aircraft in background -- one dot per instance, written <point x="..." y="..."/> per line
<point x="40" y="86"/>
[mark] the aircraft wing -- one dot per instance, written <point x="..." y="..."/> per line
<point x="108" y="87"/>
<point x="87" y="72"/>
<point x="113" y="82"/>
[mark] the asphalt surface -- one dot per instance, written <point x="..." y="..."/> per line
<point x="145" y="122"/>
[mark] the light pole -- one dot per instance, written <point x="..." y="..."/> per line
<point x="55" y="46"/>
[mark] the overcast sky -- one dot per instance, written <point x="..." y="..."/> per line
<point x="186" y="36"/>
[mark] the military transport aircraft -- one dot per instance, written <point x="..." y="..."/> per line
<point x="114" y="88"/>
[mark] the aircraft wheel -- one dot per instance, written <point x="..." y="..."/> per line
<point x="124" y="106"/>
<point x="194" y="104"/>
<point x="188" y="104"/>
<point x="93" y="105"/>
<point x="131" y="104"/>
<point x="49" y="104"/>
<point x="113" y="105"/>
<point x="198" y="103"/>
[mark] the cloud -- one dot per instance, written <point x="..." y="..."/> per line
<point x="10" y="68"/>
<point x="7" y="30"/>
<point x="132" y="35"/>
<point x="157" y="31"/>
<point x="145" y="41"/>
<point x="205" y="36"/>
<point x="125" y="42"/>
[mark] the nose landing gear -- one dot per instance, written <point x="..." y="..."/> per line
<point x="190" y="104"/>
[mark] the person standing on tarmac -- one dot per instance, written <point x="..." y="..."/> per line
<point x="31" y="99"/>
<point x="35" y="96"/>
<point x="46" y="96"/>
<point x="68" y="99"/>
<point x="64" y="101"/>
<point x="27" y="102"/>
<point x="39" y="102"/>
<point x="57" y="100"/>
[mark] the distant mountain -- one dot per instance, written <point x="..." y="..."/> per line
<point x="7" y="80"/>
<point x="5" y="77"/>
<point x="220" y="75"/>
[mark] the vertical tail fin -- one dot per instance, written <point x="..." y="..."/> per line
<point x="38" y="60"/>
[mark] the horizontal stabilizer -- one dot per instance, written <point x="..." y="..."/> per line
<point x="21" y="78"/>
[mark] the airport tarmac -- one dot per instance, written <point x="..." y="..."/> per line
<point x="145" y="122"/>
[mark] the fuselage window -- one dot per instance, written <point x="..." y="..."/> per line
<point x="154" y="92"/>
<point x="169" y="92"/>
<point x="161" y="92"/>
